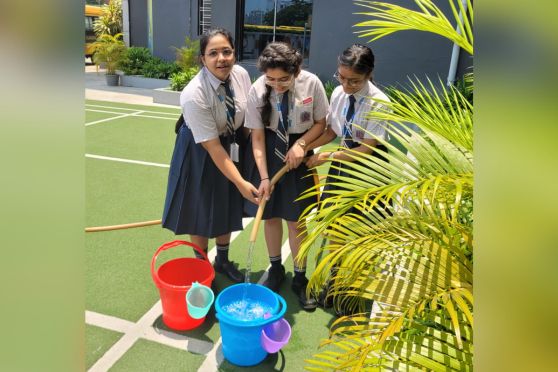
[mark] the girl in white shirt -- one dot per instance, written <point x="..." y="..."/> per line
<point x="287" y="108"/>
<point x="347" y="119"/>
<point x="205" y="186"/>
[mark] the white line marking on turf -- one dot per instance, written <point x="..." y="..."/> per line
<point x="215" y="356"/>
<point x="138" y="115"/>
<point x="108" y="322"/>
<point x="105" y="112"/>
<point x="130" y="109"/>
<point x="157" y="117"/>
<point x="114" y="118"/>
<point x="144" y="328"/>
<point x="126" y="160"/>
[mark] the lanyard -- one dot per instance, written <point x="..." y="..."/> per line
<point x="347" y="127"/>
<point x="291" y="108"/>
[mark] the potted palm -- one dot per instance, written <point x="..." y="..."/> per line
<point x="109" y="50"/>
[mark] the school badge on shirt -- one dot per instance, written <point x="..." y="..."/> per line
<point x="304" y="116"/>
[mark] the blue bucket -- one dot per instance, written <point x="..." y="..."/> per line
<point x="241" y="339"/>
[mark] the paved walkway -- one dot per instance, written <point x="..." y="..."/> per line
<point x="96" y="88"/>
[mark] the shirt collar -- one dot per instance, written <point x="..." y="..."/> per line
<point x="213" y="80"/>
<point x="363" y="92"/>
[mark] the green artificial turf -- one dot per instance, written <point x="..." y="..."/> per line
<point x="92" y="116"/>
<point x="149" y="356"/>
<point x="97" y="342"/>
<point x="136" y="138"/>
<point x="118" y="274"/>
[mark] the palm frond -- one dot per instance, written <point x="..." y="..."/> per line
<point x="389" y="18"/>
<point x="399" y="228"/>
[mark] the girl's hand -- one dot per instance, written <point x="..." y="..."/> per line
<point x="317" y="159"/>
<point x="294" y="156"/>
<point x="249" y="192"/>
<point x="265" y="189"/>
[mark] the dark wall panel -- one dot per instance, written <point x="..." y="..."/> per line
<point x="399" y="55"/>
<point x="173" y="20"/>
<point x="138" y="22"/>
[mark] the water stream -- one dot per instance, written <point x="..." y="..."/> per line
<point x="249" y="264"/>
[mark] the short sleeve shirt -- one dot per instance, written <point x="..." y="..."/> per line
<point x="204" y="113"/>
<point x="361" y="126"/>
<point x="307" y="103"/>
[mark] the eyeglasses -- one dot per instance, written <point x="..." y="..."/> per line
<point x="215" y="53"/>
<point x="281" y="82"/>
<point x="353" y="83"/>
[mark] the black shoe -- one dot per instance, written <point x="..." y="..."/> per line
<point x="230" y="270"/>
<point x="343" y="309"/>
<point x="324" y="300"/>
<point x="275" y="277"/>
<point x="299" y="288"/>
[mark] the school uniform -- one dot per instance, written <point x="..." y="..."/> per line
<point x="353" y="126"/>
<point x="307" y="102"/>
<point x="200" y="200"/>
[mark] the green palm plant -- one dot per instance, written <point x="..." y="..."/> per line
<point x="110" y="50"/>
<point x="414" y="256"/>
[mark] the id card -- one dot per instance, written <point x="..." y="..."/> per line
<point x="233" y="153"/>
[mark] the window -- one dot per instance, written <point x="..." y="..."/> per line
<point x="89" y="21"/>
<point x="204" y="15"/>
<point x="265" y="21"/>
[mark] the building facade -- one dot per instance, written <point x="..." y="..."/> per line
<point x="320" y="29"/>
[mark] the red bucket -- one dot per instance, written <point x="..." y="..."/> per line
<point x="174" y="278"/>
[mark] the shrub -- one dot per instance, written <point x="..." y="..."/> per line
<point x="110" y="21"/>
<point x="134" y="60"/>
<point x="158" y="69"/>
<point x="187" y="56"/>
<point x="329" y="86"/>
<point x="179" y="80"/>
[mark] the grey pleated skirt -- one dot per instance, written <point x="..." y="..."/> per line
<point x="200" y="200"/>
<point x="282" y="203"/>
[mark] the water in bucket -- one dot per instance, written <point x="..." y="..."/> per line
<point x="247" y="309"/>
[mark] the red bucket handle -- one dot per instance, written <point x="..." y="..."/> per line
<point x="169" y="245"/>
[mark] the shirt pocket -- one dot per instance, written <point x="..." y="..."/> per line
<point x="304" y="118"/>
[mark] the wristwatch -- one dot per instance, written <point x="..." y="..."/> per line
<point x="301" y="143"/>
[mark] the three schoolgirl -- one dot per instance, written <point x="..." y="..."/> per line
<point x="285" y="110"/>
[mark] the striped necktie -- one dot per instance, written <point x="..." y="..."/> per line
<point x="282" y="138"/>
<point x="229" y="103"/>
<point x="347" y="134"/>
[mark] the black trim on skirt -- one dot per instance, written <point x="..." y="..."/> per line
<point x="380" y="207"/>
<point x="200" y="200"/>
<point x="281" y="203"/>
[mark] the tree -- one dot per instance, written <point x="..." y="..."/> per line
<point x="416" y="263"/>
<point x="295" y="14"/>
<point x="110" y="22"/>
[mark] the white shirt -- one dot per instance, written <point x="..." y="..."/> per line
<point x="204" y="113"/>
<point x="308" y="105"/>
<point x="364" y="104"/>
